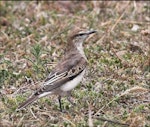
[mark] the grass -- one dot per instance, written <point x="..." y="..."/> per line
<point x="115" y="90"/>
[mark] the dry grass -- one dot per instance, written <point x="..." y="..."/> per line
<point x="116" y="89"/>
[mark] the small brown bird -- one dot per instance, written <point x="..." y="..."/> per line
<point x="68" y="72"/>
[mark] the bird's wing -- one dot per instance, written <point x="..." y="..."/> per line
<point x="65" y="71"/>
<point x="62" y="73"/>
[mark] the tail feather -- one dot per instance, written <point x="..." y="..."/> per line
<point x="27" y="102"/>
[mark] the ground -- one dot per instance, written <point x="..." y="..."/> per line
<point x="115" y="91"/>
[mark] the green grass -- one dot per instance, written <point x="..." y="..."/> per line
<point x="116" y="85"/>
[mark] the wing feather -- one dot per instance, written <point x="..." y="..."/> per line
<point x="59" y="75"/>
<point x="58" y="78"/>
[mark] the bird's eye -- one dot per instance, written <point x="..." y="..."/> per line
<point x="80" y="34"/>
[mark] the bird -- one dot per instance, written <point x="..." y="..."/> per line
<point x="67" y="73"/>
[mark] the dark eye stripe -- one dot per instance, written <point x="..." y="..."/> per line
<point x="81" y="34"/>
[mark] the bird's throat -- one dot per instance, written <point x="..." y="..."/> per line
<point x="81" y="50"/>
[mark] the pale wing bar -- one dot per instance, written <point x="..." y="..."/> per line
<point x="54" y="78"/>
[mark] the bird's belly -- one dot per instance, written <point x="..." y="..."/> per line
<point x="73" y="83"/>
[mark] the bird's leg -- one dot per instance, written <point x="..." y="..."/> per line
<point x="69" y="98"/>
<point x="60" y="105"/>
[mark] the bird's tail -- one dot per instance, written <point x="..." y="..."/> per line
<point x="27" y="102"/>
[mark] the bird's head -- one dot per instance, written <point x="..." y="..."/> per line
<point x="76" y="39"/>
<point x="79" y="37"/>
